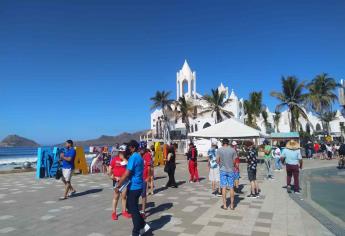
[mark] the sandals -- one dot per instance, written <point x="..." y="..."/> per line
<point x="62" y="198"/>
<point x="224" y="208"/>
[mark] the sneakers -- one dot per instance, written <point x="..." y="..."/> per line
<point x="252" y="196"/>
<point x="145" y="229"/>
<point x="114" y="216"/>
<point x="297" y="192"/>
<point x="125" y="214"/>
<point x="219" y="194"/>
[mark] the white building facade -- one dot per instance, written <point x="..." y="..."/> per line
<point x="186" y="84"/>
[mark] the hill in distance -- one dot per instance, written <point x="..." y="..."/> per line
<point x="106" y="140"/>
<point x="17" y="141"/>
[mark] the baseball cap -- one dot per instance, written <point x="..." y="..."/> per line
<point x="234" y="143"/>
<point x="122" y="148"/>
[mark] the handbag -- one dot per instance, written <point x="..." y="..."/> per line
<point x="58" y="174"/>
<point x="166" y="168"/>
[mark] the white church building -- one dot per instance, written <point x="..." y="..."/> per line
<point x="186" y="83"/>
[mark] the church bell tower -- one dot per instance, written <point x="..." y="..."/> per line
<point x="185" y="82"/>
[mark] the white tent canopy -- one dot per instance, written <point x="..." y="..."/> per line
<point x="230" y="128"/>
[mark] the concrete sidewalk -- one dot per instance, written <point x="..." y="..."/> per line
<point x="30" y="207"/>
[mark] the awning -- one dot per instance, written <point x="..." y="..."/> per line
<point x="230" y="128"/>
<point x="285" y="135"/>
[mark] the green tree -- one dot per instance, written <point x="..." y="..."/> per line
<point x="264" y="115"/>
<point x="326" y="118"/>
<point x="253" y="108"/>
<point x="293" y="98"/>
<point x="162" y="101"/>
<point x="321" y="97"/>
<point x="322" y="94"/>
<point x="216" y="103"/>
<point x="185" y="110"/>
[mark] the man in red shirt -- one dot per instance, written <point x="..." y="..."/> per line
<point x="117" y="168"/>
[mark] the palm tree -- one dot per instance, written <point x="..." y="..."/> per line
<point x="326" y="118"/>
<point x="264" y="115"/>
<point x="215" y="104"/>
<point x="276" y="119"/>
<point x="253" y="108"/>
<point x="161" y="101"/>
<point x="185" y="109"/>
<point x="322" y="93"/>
<point x="248" y="111"/>
<point x="293" y="98"/>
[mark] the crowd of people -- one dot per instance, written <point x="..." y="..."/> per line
<point x="130" y="167"/>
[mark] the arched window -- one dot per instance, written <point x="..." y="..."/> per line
<point x="206" y="125"/>
<point x="318" y="127"/>
<point x="196" y="127"/>
<point x="307" y="128"/>
<point x="184" y="87"/>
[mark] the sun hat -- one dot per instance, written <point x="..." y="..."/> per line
<point x="234" y="143"/>
<point x="293" y="145"/>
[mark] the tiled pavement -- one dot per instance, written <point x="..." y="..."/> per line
<point x="30" y="207"/>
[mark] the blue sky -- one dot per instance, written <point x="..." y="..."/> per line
<point x="80" y="69"/>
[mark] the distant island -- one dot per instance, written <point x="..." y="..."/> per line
<point x="17" y="141"/>
<point x="104" y="140"/>
<point x="107" y="140"/>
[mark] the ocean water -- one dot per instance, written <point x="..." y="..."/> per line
<point x="327" y="187"/>
<point x="11" y="157"/>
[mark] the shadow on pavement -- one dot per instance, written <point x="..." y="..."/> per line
<point x="160" y="177"/>
<point x="237" y="199"/>
<point x="158" y="223"/>
<point x="157" y="190"/>
<point x="160" y="208"/>
<point x="90" y="191"/>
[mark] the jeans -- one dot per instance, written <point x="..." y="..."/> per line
<point x="268" y="167"/>
<point x="277" y="163"/>
<point x="133" y="209"/>
<point x="293" y="170"/>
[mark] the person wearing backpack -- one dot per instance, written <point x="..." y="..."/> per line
<point x="192" y="156"/>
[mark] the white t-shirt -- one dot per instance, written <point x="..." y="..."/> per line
<point x="277" y="153"/>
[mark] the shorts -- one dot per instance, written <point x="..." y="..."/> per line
<point x="226" y="179"/>
<point x="251" y="175"/>
<point x="236" y="175"/>
<point x="143" y="193"/>
<point x="214" y="174"/>
<point x="115" y="183"/>
<point x="67" y="174"/>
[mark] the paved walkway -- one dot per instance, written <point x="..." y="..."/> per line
<point x="30" y="207"/>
